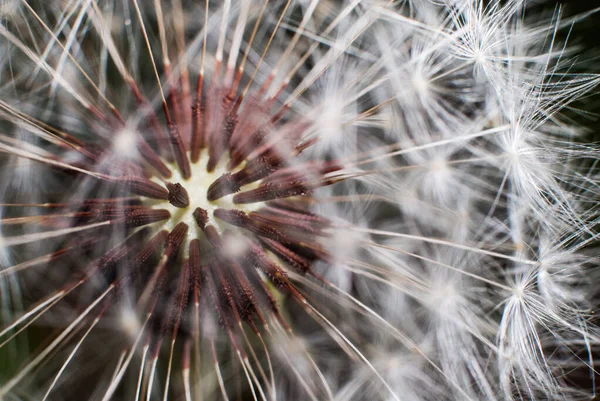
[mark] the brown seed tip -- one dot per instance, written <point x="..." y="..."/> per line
<point x="201" y="217"/>
<point x="178" y="196"/>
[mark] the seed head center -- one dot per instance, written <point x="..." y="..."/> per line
<point x="197" y="187"/>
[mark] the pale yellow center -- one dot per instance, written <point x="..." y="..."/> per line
<point x="197" y="186"/>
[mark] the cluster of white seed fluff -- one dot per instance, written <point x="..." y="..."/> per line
<point x="294" y="200"/>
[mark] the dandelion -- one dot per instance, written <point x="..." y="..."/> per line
<point x="294" y="199"/>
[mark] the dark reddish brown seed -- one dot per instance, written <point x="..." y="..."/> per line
<point x="314" y="251"/>
<point x="212" y="284"/>
<point x="268" y="299"/>
<point x="172" y="245"/>
<point x="254" y="138"/>
<point x="222" y="131"/>
<point x="295" y="226"/>
<point x="260" y="260"/>
<point x="179" y="151"/>
<point x="178" y="195"/>
<point x="143" y="187"/>
<point x="232" y="216"/>
<point x="296" y="214"/>
<point x="175" y="238"/>
<point x="240" y="219"/>
<point x="179" y="300"/>
<point x="239" y="291"/>
<point x="282" y="142"/>
<point x="289" y="205"/>
<point x="246" y="145"/>
<point x="252" y="293"/>
<point x="231" y="183"/>
<point x="264" y="293"/>
<point x="215" y="151"/>
<point x="293" y="181"/>
<point x="131" y="216"/>
<point x="150" y="248"/>
<point x="249" y="286"/>
<point x="198" y="112"/>
<point x="211" y="233"/>
<point x="100" y="212"/>
<point x="229" y="126"/>
<point x="287" y="255"/>
<point x="247" y="305"/>
<point x="259" y="168"/>
<point x="195" y="255"/>
<point x="270" y="190"/>
<point x="251" y="118"/>
<point x="174" y="101"/>
<point x="142" y="216"/>
<point x="196" y="270"/>
<point x="222" y="186"/>
<point x="226" y="292"/>
<point x="201" y="217"/>
<point x="213" y="236"/>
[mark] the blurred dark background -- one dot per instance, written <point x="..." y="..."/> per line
<point x="586" y="35"/>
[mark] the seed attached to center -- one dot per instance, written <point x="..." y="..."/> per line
<point x="178" y="196"/>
